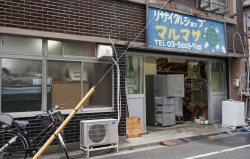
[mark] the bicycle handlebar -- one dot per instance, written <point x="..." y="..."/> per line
<point x="57" y="107"/>
<point x="51" y="110"/>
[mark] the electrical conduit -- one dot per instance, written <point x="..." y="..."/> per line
<point x="118" y="90"/>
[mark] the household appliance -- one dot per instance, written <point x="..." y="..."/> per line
<point x="98" y="132"/>
<point x="233" y="113"/>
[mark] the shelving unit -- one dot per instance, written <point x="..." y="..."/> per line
<point x="195" y="90"/>
<point x="188" y="90"/>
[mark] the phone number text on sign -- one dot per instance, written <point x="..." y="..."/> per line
<point x="180" y="45"/>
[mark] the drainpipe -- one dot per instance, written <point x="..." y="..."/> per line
<point x="240" y="89"/>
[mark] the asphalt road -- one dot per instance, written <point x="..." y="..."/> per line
<point x="233" y="147"/>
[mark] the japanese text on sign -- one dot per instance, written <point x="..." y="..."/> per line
<point x="174" y="30"/>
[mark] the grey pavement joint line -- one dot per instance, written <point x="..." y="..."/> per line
<point x="217" y="152"/>
<point x="128" y="152"/>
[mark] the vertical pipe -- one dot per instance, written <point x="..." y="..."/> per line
<point x="247" y="52"/>
<point x="246" y="36"/>
<point x="1" y="62"/>
<point x="44" y="76"/>
<point x="248" y="65"/>
<point x="1" y="42"/>
<point x="144" y="99"/>
<point x="81" y="84"/>
<point x="239" y="90"/>
<point x="225" y="33"/>
<point x="247" y="49"/>
<point x="209" y="90"/>
<point x="147" y="23"/>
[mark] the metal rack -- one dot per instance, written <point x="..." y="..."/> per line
<point x="90" y="149"/>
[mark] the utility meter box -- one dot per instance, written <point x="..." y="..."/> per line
<point x="104" y="52"/>
<point x="236" y="82"/>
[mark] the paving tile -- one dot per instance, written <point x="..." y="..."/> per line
<point x="178" y="141"/>
<point x="168" y="143"/>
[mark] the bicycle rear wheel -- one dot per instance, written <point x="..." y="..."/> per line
<point x="10" y="153"/>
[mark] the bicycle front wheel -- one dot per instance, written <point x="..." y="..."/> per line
<point x="14" y="150"/>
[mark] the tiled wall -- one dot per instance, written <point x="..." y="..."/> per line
<point x="232" y="29"/>
<point x="189" y="3"/>
<point x="79" y="17"/>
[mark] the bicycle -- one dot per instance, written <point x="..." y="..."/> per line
<point x="14" y="143"/>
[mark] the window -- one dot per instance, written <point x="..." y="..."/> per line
<point x="79" y="49"/>
<point x="19" y="44"/>
<point x="21" y="85"/>
<point x="65" y="89"/>
<point x="92" y="73"/>
<point x="214" y="4"/>
<point x="218" y="76"/>
<point x="54" y="47"/>
<point x="24" y="89"/>
<point x="66" y="84"/>
<point x="134" y="74"/>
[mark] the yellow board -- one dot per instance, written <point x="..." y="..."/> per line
<point x="133" y="127"/>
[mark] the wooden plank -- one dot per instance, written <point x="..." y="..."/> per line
<point x="133" y="135"/>
<point x="136" y="119"/>
<point x="133" y="127"/>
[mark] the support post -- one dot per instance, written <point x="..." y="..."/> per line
<point x="246" y="50"/>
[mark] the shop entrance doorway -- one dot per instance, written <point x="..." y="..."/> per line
<point x="204" y="89"/>
<point x="194" y="104"/>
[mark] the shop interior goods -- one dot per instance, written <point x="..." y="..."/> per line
<point x="165" y="111"/>
<point x="160" y="109"/>
<point x="156" y="87"/>
<point x="195" y="86"/>
<point x="195" y="98"/>
<point x="175" y="85"/>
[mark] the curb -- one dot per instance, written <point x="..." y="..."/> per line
<point x="80" y="154"/>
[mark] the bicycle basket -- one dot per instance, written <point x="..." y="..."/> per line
<point x="5" y="119"/>
<point x="46" y="120"/>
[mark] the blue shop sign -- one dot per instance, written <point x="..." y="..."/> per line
<point x="175" y="30"/>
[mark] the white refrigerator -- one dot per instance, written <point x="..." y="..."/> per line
<point x="175" y="88"/>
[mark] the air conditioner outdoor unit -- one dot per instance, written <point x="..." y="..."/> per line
<point x="98" y="135"/>
<point x="98" y="132"/>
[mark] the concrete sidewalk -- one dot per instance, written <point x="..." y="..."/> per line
<point x="150" y="140"/>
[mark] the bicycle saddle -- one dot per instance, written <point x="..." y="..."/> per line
<point x="21" y="124"/>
